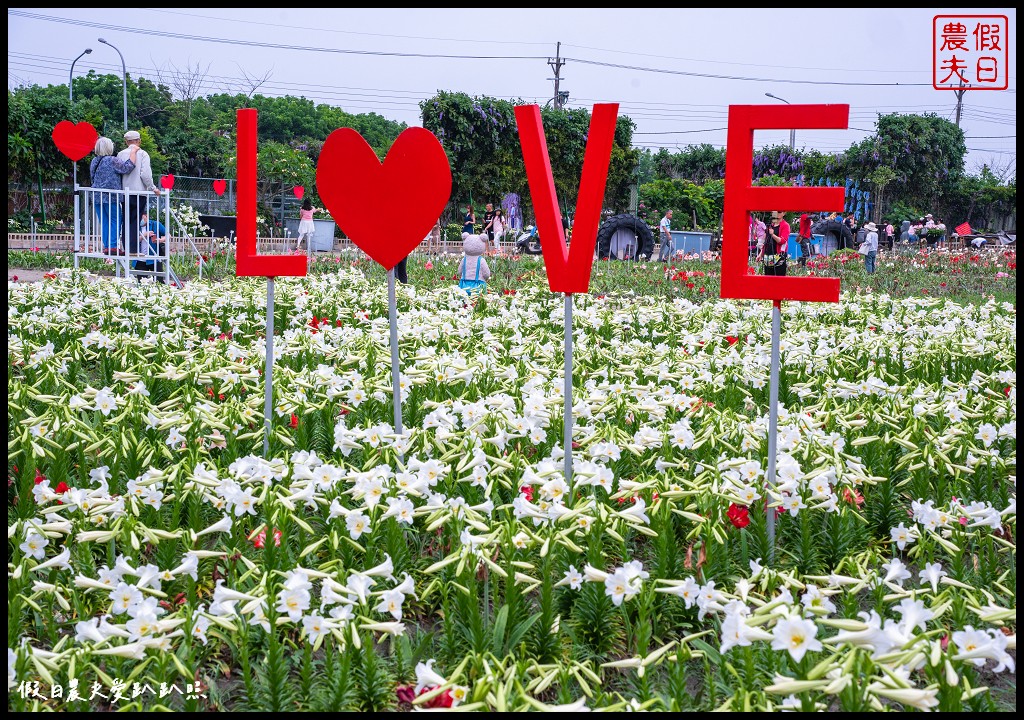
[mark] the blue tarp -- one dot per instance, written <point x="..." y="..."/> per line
<point x="794" y="246"/>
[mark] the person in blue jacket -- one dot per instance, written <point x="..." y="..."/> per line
<point x="155" y="233"/>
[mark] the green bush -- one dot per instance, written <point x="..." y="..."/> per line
<point x="452" y="233"/>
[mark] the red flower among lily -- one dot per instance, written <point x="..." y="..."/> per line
<point x="738" y="515"/>
<point x="853" y="497"/>
<point x="261" y="539"/>
<point x="407" y="693"/>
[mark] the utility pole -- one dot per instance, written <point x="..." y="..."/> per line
<point x="556" y="66"/>
<point x="959" y="100"/>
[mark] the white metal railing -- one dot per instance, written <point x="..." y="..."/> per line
<point x="188" y="238"/>
<point x="108" y="224"/>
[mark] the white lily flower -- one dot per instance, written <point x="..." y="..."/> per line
<point x="426" y="677"/>
<point x="61" y="561"/>
<point x="223" y="525"/>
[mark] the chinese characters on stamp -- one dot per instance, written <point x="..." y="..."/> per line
<point x="970" y="52"/>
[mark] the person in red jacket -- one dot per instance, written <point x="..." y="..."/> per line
<point x="804" y="239"/>
<point x="775" y="251"/>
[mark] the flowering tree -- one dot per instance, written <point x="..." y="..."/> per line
<point x="481" y="139"/>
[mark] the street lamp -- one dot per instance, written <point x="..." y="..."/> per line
<point x="792" y="133"/>
<point x="71" y="99"/>
<point x="71" y="74"/>
<point x="124" y="82"/>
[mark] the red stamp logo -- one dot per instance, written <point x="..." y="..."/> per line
<point x="970" y="52"/>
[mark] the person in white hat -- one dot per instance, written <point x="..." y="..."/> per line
<point x="870" y="247"/>
<point x="136" y="184"/>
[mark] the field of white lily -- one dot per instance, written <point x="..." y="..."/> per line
<point x="157" y="560"/>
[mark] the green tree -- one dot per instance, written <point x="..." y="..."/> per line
<point x="645" y="170"/>
<point x="32" y="157"/>
<point x="686" y="200"/>
<point x="480" y="137"/>
<point x="983" y="201"/>
<point x="880" y="179"/>
<point x="280" y="167"/>
<point x="700" y="163"/>
<point x="925" y="151"/>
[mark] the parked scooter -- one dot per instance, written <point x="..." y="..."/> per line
<point x="528" y="242"/>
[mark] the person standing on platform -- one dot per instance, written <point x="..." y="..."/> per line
<point x="105" y="174"/>
<point x="137" y="184"/>
<point x="152" y="241"/>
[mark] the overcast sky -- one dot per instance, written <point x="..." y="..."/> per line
<point x="655" y="63"/>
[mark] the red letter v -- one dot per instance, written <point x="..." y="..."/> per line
<point x="568" y="268"/>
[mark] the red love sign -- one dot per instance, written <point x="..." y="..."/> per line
<point x="167" y="182"/>
<point x="74" y="140"/>
<point x="219" y="186"/>
<point x="299" y="191"/>
<point x="358" y="190"/>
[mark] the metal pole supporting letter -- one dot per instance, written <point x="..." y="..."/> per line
<point x="268" y="386"/>
<point x="395" y="375"/>
<point x="773" y="424"/>
<point x="78" y="236"/>
<point x="568" y="388"/>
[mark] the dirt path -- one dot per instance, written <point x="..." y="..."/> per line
<point x="24" y="274"/>
<point x="30" y="275"/>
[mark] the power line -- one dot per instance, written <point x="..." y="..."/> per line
<point x="274" y="46"/>
<point x="680" y="132"/>
<point x="790" y="81"/>
<point x="278" y="26"/>
<point x="725" y="62"/>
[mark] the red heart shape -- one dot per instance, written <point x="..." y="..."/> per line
<point x="299" y="191"/>
<point x="384" y="208"/>
<point x="167" y="182"/>
<point x="219" y="186"/>
<point x="74" y="140"/>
